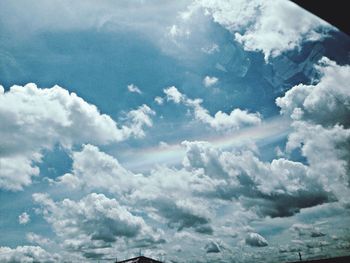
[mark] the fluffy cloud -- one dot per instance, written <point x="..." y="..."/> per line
<point x="137" y="120"/>
<point x="93" y="169"/>
<point x="27" y="254"/>
<point x="23" y="218"/>
<point x="327" y="102"/>
<point x="320" y="114"/>
<point x="210" y="81"/>
<point x="93" y="222"/>
<point x="33" y="119"/>
<point x="166" y="192"/>
<point x="16" y="171"/>
<point x="134" y="89"/>
<point x="256" y="240"/>
<point x="236" y="119"/>
<point x="279" y="188"/>
<point x="159" y="100"/>
<point x="38" y="239"/>
<point x="261" y="25"/>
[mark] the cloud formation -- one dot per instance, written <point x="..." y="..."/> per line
<point x="261" y="25"/>
<point x="320" y="114"/>
<point x="23" y="218"/>
<point x="34" y="119"/>
<point x="279" y="188"/>
<point x="210" y="81"/>
<point x="27" y="254"/>
<point x="95" y="221"/>
<point x="256" y="240"/>
<point x="221" y="121"/>
<point x="134" y="89"/>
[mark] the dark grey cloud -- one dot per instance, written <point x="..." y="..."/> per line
<point x="181" y="217"/>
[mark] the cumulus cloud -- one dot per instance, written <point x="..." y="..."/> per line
<point x="93" y="169"/>
<point x="168" y="192"/>
<point x="134" y="89"/>
<point x="172" y="94"/>
<point x="210" y="81"/>
<point x="185" y="214"/>
<point x="261" y="25"/>
<point x="279" y="188"/>
<point x="327" y="102"/>
<point x="159" y="100"/>
<point x="27" y="254"/>
<point x="255" y="240"/>
<point x="182" y="197"/>
<point x="34" y="119"/>
<point x="320" y="114"/>
<point x="38" y="239"/>
<point x="17" y="171"/>
<point x="137" y="120"/>
<point x="95" y="221"/>
<point x="236" y="119"/>
<point x="23" y="218"/>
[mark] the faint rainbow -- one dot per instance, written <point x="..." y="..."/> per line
<point x="269" y="131"/>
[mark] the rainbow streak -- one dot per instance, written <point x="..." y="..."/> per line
<point x="269" y="131"/>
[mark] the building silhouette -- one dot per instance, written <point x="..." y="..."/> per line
<point x="140" y="259"/>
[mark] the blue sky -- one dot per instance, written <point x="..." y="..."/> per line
<point x="194" y="131"/>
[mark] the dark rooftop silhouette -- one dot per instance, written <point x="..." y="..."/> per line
<point x="345" y="259"/>
<point x="140" y="259"/>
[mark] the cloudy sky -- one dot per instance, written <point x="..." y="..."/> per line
<point x="189" y="131"/>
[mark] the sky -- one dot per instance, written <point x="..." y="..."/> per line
<point x="185" y="131"/>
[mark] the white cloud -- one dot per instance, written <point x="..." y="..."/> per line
<point x="134" y="89"/>
<point x="209" y="81"/>
<point x="255" y="240"/>
<point x="137" y="120"/>
<point x="16" y="171"/>
<point x="93" y="169"/>
<point x="93" y="222"/>
<point x="221" y="120"/>
<point x="27" y="254"/>
<point x="23" y="218"/>
<point x="279" y="188"/>
<point x="172" y="94"/>
<point x="270" y="26"/>
<point x="159" y="100"/>
<point x="38" y="239"/>
<point x="34" y="119"/>
<point x="320" y="115"/>
<point x="326" y="103"/>
<point x="160" y="191"/>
